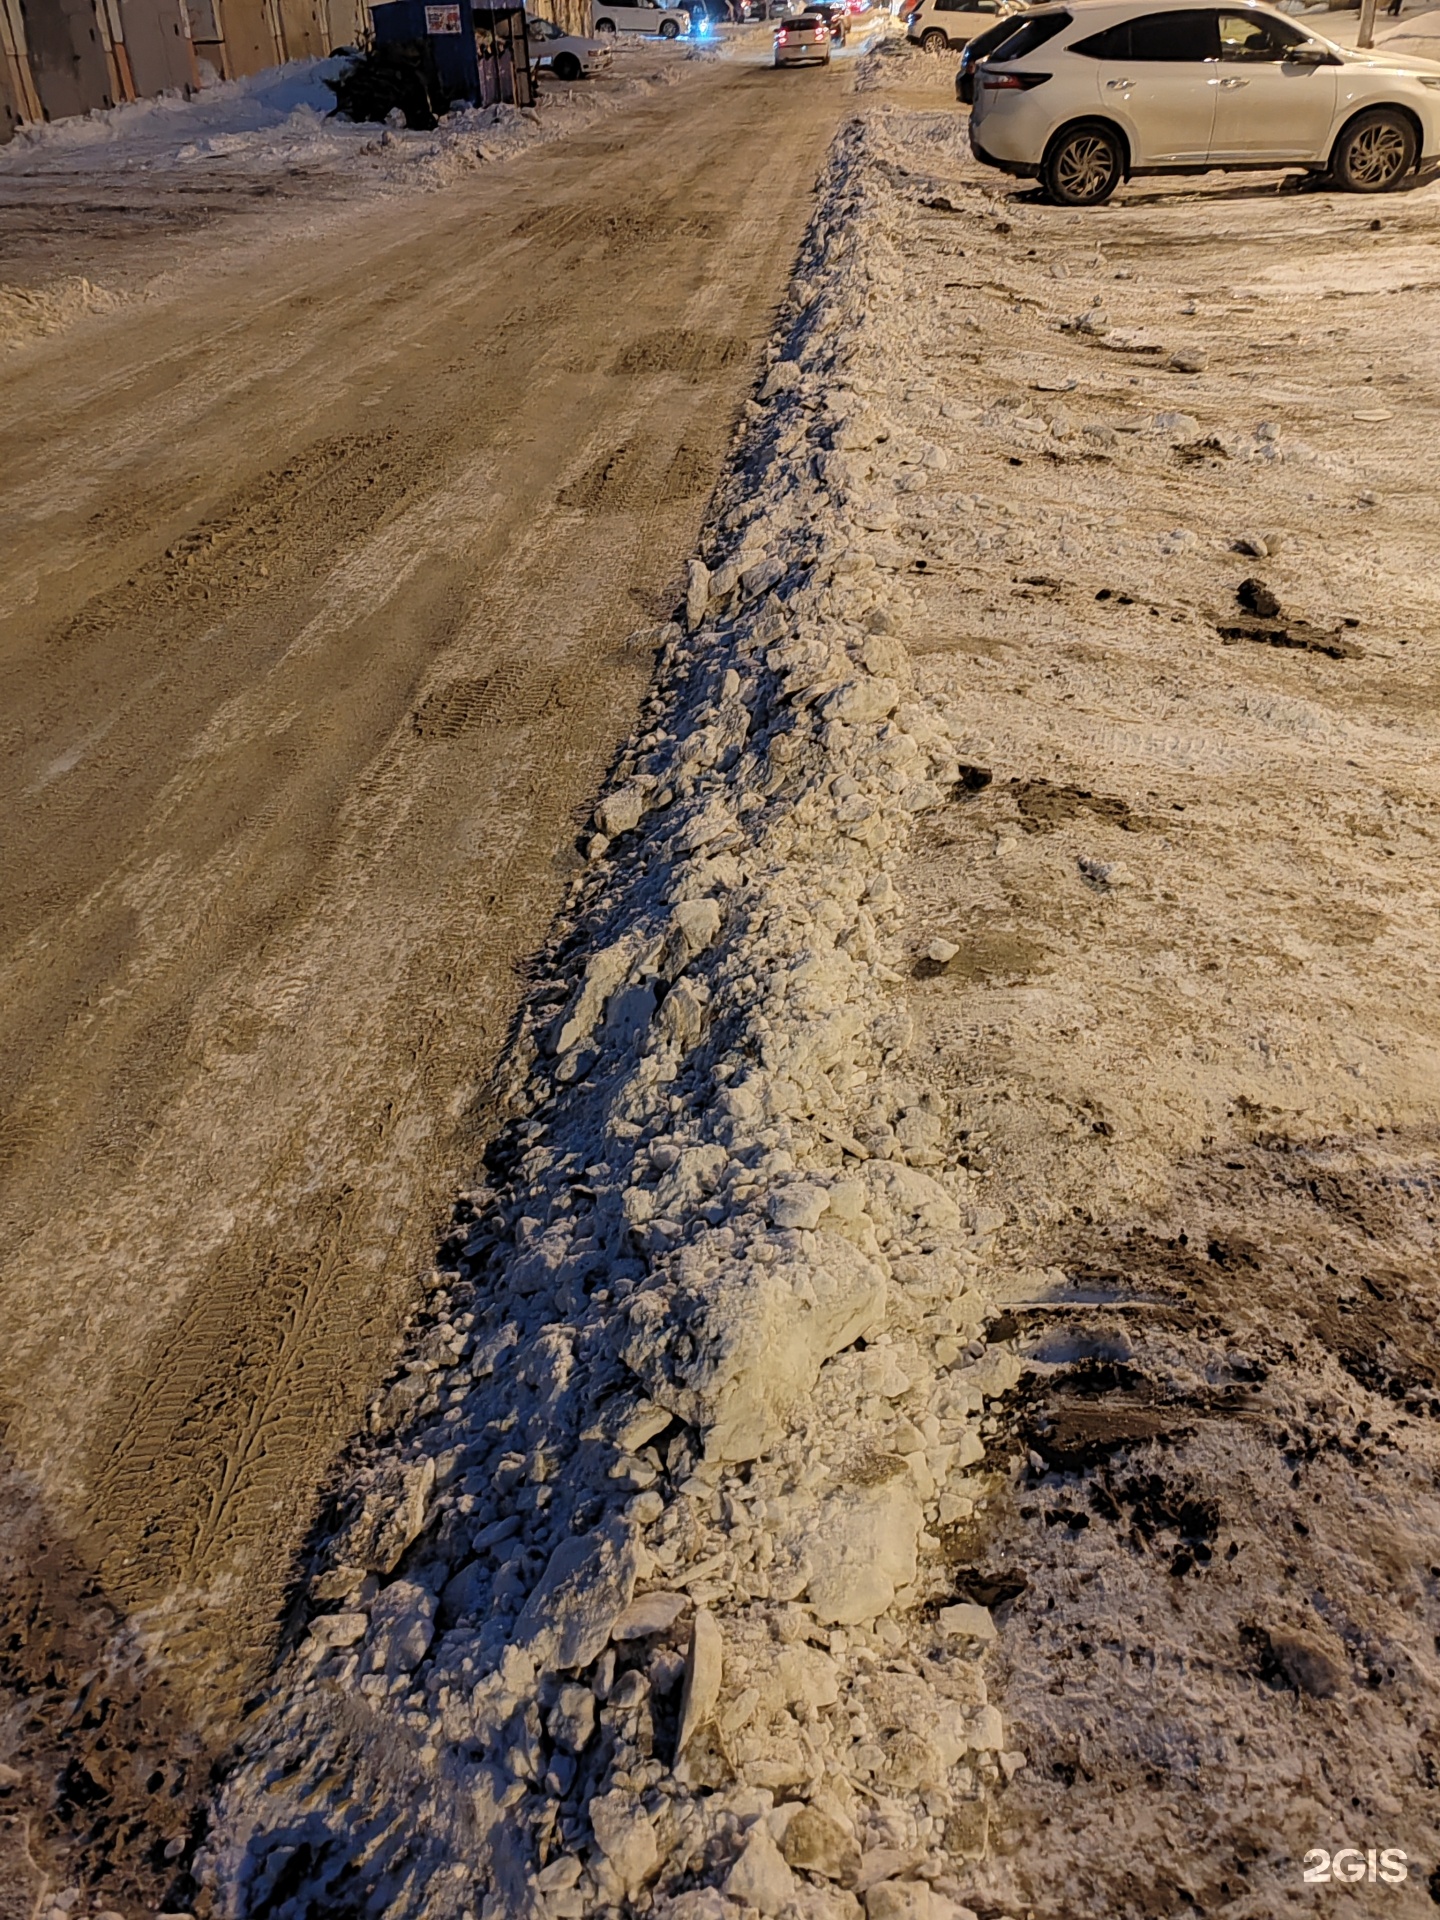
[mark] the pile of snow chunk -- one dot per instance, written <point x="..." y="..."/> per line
<point x="284" y="118"/>
<point x="640" y="1604"/>
<point x="223" y="118"/>
<point x="29" y="313"/>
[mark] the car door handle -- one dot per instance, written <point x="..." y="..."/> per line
<point x="1119" y="83"/>
<point x="1235" y="81"/>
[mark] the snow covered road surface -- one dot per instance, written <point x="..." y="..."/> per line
<point x="332" y="583"/>
<point x="682" y="1316"/>
<point x="934" y="1407"/>
<point x="105" y="209"/>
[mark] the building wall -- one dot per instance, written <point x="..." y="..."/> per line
<point x="306" y="29"/>
<point x="12" y="113"/>
<point x="63" y="57"/>
<point x="349" y="21"/>
<point x="69" y="56"/>
<point x="250" y="40"/>
<point x="19" y="101"/>
<point x="157" y="45"/>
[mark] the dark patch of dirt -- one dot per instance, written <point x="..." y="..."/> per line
<point x="677" y="350"/>
<point x="1257" y="598"/>
<point x="994" y="1590"/>
<point x="111" y="1783"/>
<point x="1298" y="635"/>
<point x="1043" y="806"/>
<point x="986" y="955"/>
<point x="1206" y="452"/>
<point x="1222" y="1482"/>
<point x="612" y="483"/>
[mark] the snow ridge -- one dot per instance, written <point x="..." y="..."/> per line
<point x="638" y="1600"/>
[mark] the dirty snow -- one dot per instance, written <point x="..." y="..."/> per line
<point x="693" y="1313"/>
<point x="178" y="164"/>
<point x="283" y="118"/>
<point x="933" y="1403"/>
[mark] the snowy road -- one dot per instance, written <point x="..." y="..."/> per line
<point x="935" y="1400"/>
<point x="327" y="595"/>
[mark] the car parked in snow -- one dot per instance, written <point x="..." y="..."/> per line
<point x="1085" y="95"/>
<point x="569" y="56"/>
<point x="945" y="26"/>
<point x="802" y="42"/>
<point x="639" y="16"/>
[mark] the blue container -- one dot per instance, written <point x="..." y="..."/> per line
<point x="447" y="29"/>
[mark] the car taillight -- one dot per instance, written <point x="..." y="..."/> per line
<point x="1013" y="82"/>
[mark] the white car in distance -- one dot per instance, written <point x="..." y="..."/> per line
<point x="947" y="26"/>
<point x="569" y="56"/>
<point x="803" y="41"/>
<point x="639" y="16"/>
<point x="1084" y="96"/>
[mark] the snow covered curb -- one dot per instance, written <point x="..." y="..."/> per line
<point x="639" y="1597"/>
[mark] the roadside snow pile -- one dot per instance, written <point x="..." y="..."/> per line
<point x="896" y="62"/>
<point x="29" y="313"/>
<point x="641" y="1596"/>
<point x="283" y="120"/>
<point x="229" y="118"/>
<point x="474" y="136"/>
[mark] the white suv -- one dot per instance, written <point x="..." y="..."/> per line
<point x="1082" y="96"/>
<point x="639" y="16"/>
<point x="945" y="26"/>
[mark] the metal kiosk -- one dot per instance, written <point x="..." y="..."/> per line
<point x="479" y="54"/>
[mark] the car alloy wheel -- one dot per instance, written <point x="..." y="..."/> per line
<point x="565" y="67"/>
<point x="1375" y="153"/>
<point x="669" y="30"/>
<point x="1083" y="166"/>
<point x="934" y="41"/>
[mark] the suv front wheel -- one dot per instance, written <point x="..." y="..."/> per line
<point x="1375" y="152"/>
<point x="1083" y="165"/>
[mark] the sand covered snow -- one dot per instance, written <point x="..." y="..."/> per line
<point x="254" y="158"/>
<point x="674" y="1366"/>
<point x="933" y="1404"/>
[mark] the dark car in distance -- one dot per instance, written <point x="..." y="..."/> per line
<point x="835" y="14"/>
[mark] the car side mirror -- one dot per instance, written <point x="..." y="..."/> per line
<point x="1311" y="56"/>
